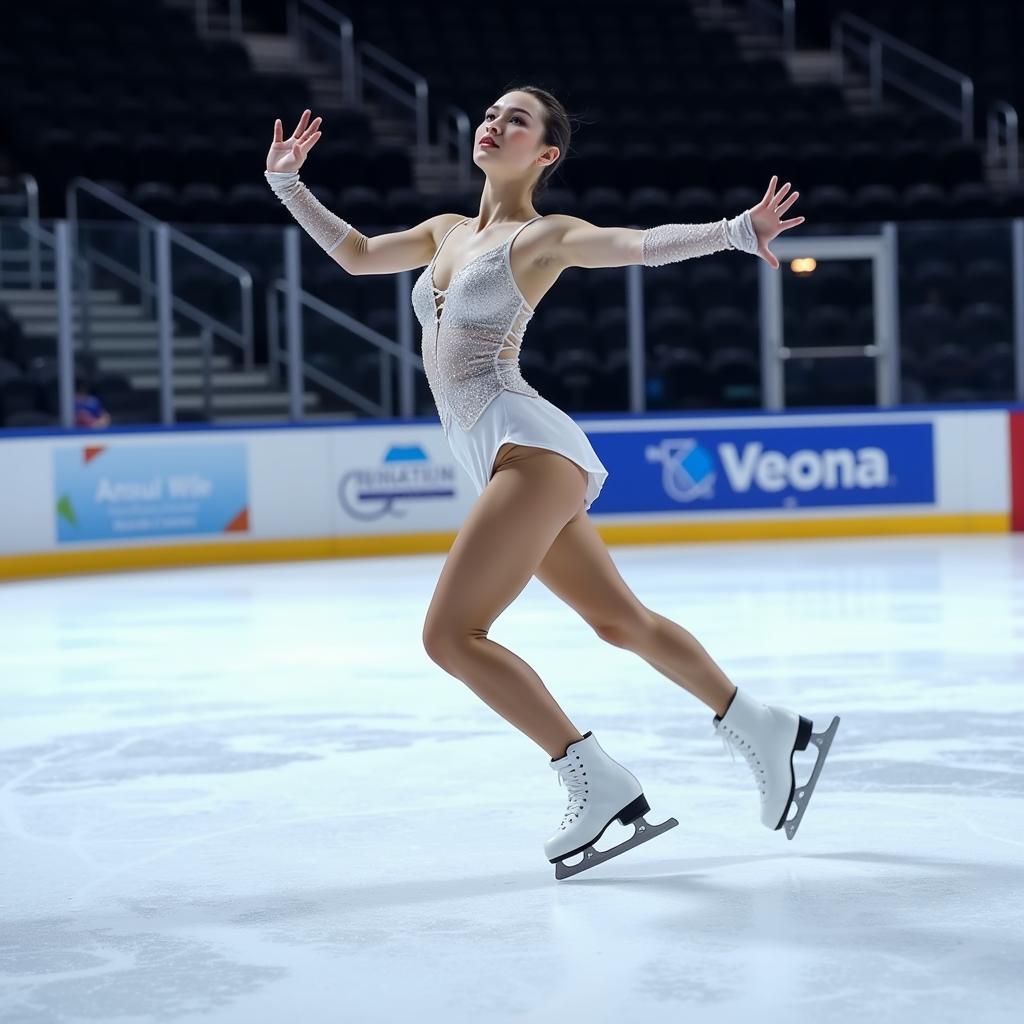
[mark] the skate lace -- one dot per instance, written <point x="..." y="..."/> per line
<point x="577" y="786"/>
<point x="732" y="742"/>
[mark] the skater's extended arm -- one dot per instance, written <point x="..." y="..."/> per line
<point x="578" y="243"/>
<point x="353" y="251"/>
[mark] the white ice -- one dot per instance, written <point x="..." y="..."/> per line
<point x="247" y="794"/>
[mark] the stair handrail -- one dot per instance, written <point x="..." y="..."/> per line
<point x="342" y="32"/>
<point x="844" y="28"/>
<point x="30" y="187"/>
<point x="234" y="22"/>
<point x="355" y="62"/>
<point x="463" y="130"/>
<point x="276" y="356"/>
<point x="1000" y="110"/>
<point x="418" y="101"/>
<point x="143" y="281"/>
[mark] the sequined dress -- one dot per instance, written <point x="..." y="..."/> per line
<point x="481" y="396"/>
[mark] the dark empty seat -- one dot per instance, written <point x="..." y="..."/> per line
<point x="993" y="371"/>
<point x="826" y="203"/>
<point x="728" y="327"/>
<point x="687" y="381"/>
<point x="924" y="201"/>
<point x="925" y="326"/>
<point x="984" y="323"/>
<point x="670" y="326"/>
<point x="27" y="418"/>
<point x="18" y="393"/>
<point x="987" y="281"/>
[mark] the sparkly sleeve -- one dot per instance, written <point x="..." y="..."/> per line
<point x="325" y="228"/>
<point x="670" y="243"/>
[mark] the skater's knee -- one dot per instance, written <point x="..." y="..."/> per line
<point x="627" y="628"/>
<point x="446" y="644"/>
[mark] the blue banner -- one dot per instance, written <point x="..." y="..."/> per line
<point x="127" y="491"/>
<point x="765" y="467"/>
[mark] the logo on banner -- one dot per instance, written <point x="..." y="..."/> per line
<point x="796" y="466"/>
<point x="405" y="473"/>
<point x="688" y="468"/>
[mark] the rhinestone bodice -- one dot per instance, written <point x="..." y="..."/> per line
<point x="482" y="314"/>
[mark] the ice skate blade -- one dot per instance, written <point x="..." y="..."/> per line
<point x="643" y="831"/>
<point x="802" y="794"/>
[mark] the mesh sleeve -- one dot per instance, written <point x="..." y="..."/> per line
<point x="327" y="229"/>
<point x="670" y="243"/>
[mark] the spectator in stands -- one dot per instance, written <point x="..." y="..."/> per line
<point x="89" y="411"/>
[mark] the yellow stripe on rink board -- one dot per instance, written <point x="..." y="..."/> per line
<point x="63" y="563"/>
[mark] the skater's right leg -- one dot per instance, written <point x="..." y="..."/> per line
<point x="579" y="569"/>
<point x="532" y="493"/>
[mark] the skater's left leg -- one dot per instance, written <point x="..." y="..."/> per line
<point x="579" y="569"/>
<point x="531" y="495"/>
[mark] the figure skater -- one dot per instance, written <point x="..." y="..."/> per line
<point x="534" y="469"/>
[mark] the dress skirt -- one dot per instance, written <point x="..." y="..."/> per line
<point x="528" y="420"/>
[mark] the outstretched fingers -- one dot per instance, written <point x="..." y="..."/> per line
<point x="783" y="207"/>
<point x="301" y="126"/>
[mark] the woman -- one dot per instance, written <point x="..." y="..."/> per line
<point x="534" y="469"/>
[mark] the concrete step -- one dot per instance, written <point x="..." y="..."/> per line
<point x="143" y="348"/>
<point x="235" y="380"/>
<point x="150" y="364"/>
<point x="254" y="404"/>
<point x="812" y="65"/>
<point x="268" y="48"/>
<point x="8" y="295"/>
<point x="275" y="417"/>
<point x="100" y="312"/>
<point x="100" y="328"/>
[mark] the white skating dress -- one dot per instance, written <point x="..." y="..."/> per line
<point x="481" y="396"/>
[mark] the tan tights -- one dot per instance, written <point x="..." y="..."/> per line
<point x="530" y="521"/>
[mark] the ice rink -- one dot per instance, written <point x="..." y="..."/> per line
<point x="247" y="794"/>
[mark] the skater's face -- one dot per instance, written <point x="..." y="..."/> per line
<point x="515" y="122"/>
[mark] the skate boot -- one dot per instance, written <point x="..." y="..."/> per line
<point x="768" y="737"/>
<point x="600" y="790"/>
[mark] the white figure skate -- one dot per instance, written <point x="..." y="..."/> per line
<point x="768" y="737"/>
<point x="600" y="790"/>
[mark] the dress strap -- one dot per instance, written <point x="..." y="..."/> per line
<point x="445" y="238"/>
<point x="520" y="228"/>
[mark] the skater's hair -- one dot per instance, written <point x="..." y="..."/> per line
<point x="557" y="130"/>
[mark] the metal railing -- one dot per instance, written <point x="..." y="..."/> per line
<point x="884" y="349"/>
<point x="312" y="19"/>
<point x="361" y="64"/>
<point x="460" y="139"/>
<point x="150" y="229"/>
<point x="230" y="20"/>
<point x="876" y="49"/>
<point x="1004" y="138"/>
<point x="292" y="353"/>
<point x="287" y="304"/>
<point x="29" y="201"/>
<point x="416" y="100"/>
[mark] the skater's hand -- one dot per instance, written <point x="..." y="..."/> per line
<point x="290" y="154"/>
<point x="765" y="219"/>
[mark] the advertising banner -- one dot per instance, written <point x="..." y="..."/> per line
<point x="769" y="467"/>
<point x="127" y="491"/>
<point x="1017" y="472"/>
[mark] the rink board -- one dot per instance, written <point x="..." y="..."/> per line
<point x="81" y="501"/>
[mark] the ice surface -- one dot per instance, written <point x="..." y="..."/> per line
<point x="247" y="794"/>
